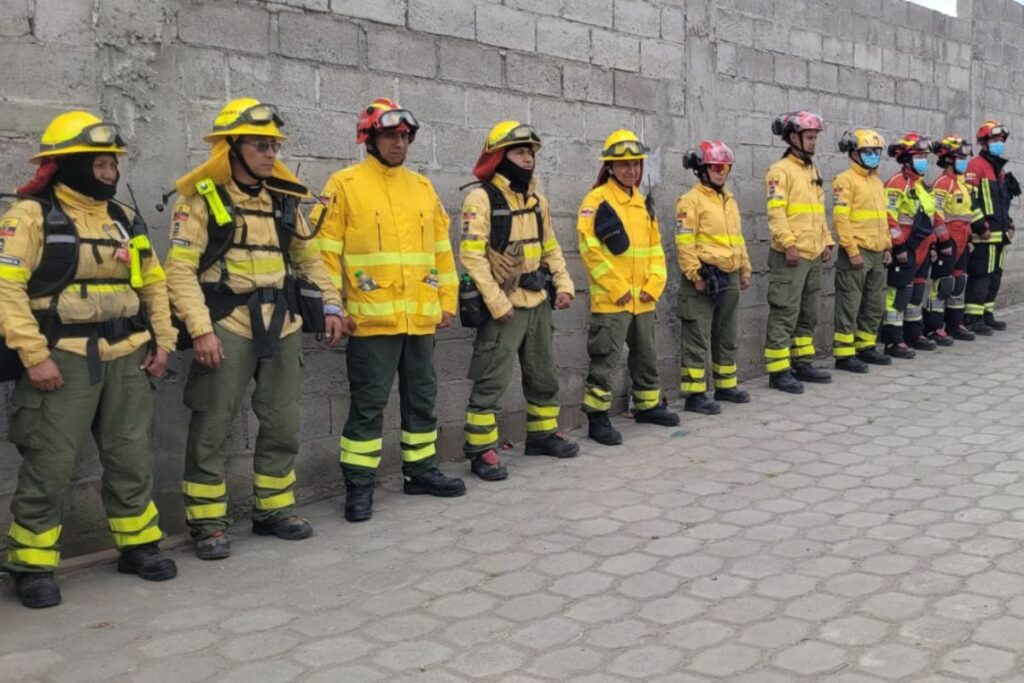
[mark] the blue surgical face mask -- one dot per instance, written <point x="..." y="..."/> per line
<point x="920" y="165"/>
<point x="996" y="148"/>
<point x="870" y="159"/>
<point x="960" y="165"/>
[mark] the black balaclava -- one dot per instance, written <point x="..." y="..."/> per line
<point x="518" y="177"/>
<point x="236" y="154"/>
<point x="705" y="178"/>
<point x="75" y="171"/>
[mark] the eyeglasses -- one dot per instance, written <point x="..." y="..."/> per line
<point x="96" y="135"/>
<point x="258" y="114"/>
<point x="625" y="148"/>
<point x="520" y="134"/>
<point x="396" y="117"/>
<point x="262" y="146"/>
<point x="720" y="168"/>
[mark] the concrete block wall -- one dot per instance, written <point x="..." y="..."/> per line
<point x="576" y="69"/>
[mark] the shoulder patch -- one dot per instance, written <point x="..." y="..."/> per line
<point x="10" y="261"/>
<point x="893" y="200"/>
<point x="9" y="226"/>
<point x="469" y="212"/>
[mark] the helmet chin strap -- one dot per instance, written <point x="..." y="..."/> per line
<point x="236" y="154"/>
<point x="705" y="178"/>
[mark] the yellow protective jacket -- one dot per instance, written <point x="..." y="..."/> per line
<point x="538" y="250"/>
<point x="859" y="211"/>
<point x="796" y="207"/>
<point x="388" y="224"/>
<point x="21" y="251"/>
<point x="708" y="231"/>
<point x="259" y="263"/>
<point x="641" y="268"/>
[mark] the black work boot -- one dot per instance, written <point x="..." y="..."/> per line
<point x="554" y="445"/>
<point x="700" y="403"/>
<point x="358" y="502"/>
<point x="785" y="381"/>
<point x="805" y="372"/>
<point x="601" y="430"/>
<point x="900" y="350"/>
<point x="434" y="482"/>
<point x="961" y="333"/>
<point x="732" y="395"/>
<point x="976" y="325"/>
<point x="852" y="364"/>
<point x="36" y="589"/>
<point x="990" y="320"/>
<point x="658" y="415"/>
<point x="873" y="356"/>
<point x="488" y="466"/>
<point x="148" y="562"/>
<point x="922" y="343"/>
<point x="292" y="528"/>
<point x="940" y="338"/>
<point x="216" y="546"/>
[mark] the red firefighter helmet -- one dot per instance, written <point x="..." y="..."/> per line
<point x="384" y="113"/>
<point x="796" y="122"/>
<point x="952" y="146"/>
<point x="909" y="144"/>
<point x="991" y="129"/>
<point x="708" y="153"/>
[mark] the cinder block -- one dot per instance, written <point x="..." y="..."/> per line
<point x="738" y="28"/>
<point x="484" y="108"/>
<point x="506" y="27"/>
<point x="535" y="6"/>
<point x="853" y="83"/>
<point x="14" y="18"/>
<point x="533" y="74"/>
<point x="868" y="57"/>
<point x="673" y="24"/>
<point x="615" y="50"/>
<point x="401" y="51"/>
<point x="350" y="90"/>
<point x="77" y="68"/>
<point x="281" y="81"/>
<point x="637" y="16"/>
<point x="68" y="22"/>
<point x="806" y="44"/>
<point x="432" y="101"/>
<point x="556" y="117"/>
<point x="823" y="76"/>
<point x="468" y="63"/>
<point x="882" y="88"/>
<point x="790" y="71"/>
<point x="384" y="11"/>
<point x="595" y="12"/>
<point x="659" y="59"/>
<point x="837" y="50"/>
<point x="587" y="83"/>
<point x="601" y="121"/>
<point x="451" y="18"/>
<point x="204" y="23"/>
<point x="319" y="37"/>
<point x="563" y="38"/>
<point x="144" y="21"/>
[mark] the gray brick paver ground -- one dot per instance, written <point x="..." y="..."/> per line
<point x="862" y="532"/>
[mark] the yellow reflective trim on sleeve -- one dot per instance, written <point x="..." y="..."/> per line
<point x="33" y="557"/>
<point x="532" y="251"/>
<point x="684" y="238"/>
<point x="330" y="246"/>
<point x="776" y="353"/>
<point x="542" y="425"/>
<point x="390" y="258"/>
<point x="550" y="245"/>
<point x="263" y="266"/>
<point x="442" y="246"/>
<point x="481" y="439"/>
<point x="151" y="535"/>
<point x="197" y="490"/>
<point x="776" y="203"/>
<point x="473" y="245"/>
<point x="417" y="454"/>
<point x="451" y="278"/>
<point x="543" y="411"/>
<point x="135" y="523"/>
<point x="590" y="243"/>
<point x="266" y="481"/>
<point x="600" y="269"/>
<point x="368" y="461"/>
<point x="153" y="275"/>
<point x="418" y="438"/>
<point x="208" y="511"/>
<point x="184" y="254"/>
<point x="841" y="210"/>
<point x="281" y="500"/>
<point x="15" y="274"/>
<point x="44" y="539"/>
<point x="362" y="447"/>
<point x="336" y="281"/>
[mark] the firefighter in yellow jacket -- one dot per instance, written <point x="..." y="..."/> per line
<point x="243" y="274"/>
<point x="84" y="314"/>
<point x="620" y="244"/>
<point x="801" y="246"/>
<point x="509" y="250"/>
<point x="385" y="240"/>
<point x="859" y="213"/>
<point x="715" y="266"/>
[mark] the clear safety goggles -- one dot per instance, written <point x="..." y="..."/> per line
<point x="258" y="114"/>
<point x="96" y="135"/>
<point x="625" y="148"/>
<point x="522" y="134"/>
<point x="998" y="131"/>
<point x="396" y="117"/>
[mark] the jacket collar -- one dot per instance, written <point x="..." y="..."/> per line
<point x="374" y="164"/>
<point x="72" y="198"/>
<point x="861" y="171"/>
<point x="614" y="190"/>
<point x="503" y="183"/>
<point x="710" y="191"/>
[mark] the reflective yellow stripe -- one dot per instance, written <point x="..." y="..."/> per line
<point x="362" y="447"/>
<point x="450" y="278"/>
<point x="776" y="203"/>
<point x="390" y="258"/>
<point x="986" y="195"/>
<point x="645" y="252"/>
<point x="33" y="557"/>
<point x="264" y="266"/>
<point x="803" y="341"/>
<point x="473" y="245"/>
<point x="480" y="419"/>
<point x="974" y="309"/>
<point x="417" y="454"/>
<point x="841" y="338"/>
<point x="197" y="490"/>
<point x="722" y="240"/>
<point x="154" y="274"/>
<point x="542" y="411"/>
<point x="724" y="369"/>
<point x="133" y="524"/>
<point x="796" y="208"/>
<point x="840" y="211"/>
<point x="550" y="245"/>
<point x="481" y="439"/>
<point x="330" y="246"/>
<point x="419" y="438"/>
<point x="695" y="373"/>
<point x="265" y="481"/>
<point x="598" y="391"/>
<point x="442" y="246"/>
<point x="388" y="308"/>
<point x="656" y="269"/>
<point x="726" y="383"/>
<point x="542" y="425"/>
<point x="184" y="254"/>
<point x="44" y="539"/>
<point x="150" y="535"/>
<point x="15" y="274"/>
<point x="776" y="353"/>
<point x="596" y="403"/>
<point x="281" y="500"/>
<point x="844" y="352"/>
<point x="648" y="394"/>
<point x="693" y="387"/>
<point x="208" y="511"/>
<point x="867" y="336"/>
<point x="600" y="269"/>
<point x="645" y="400"/>
<point x="589" y="243"/>
<point x="348" y="458"/>
<point x="106" y="288"/>
<point x="861" y="215"/>
<point x="777" y="365"/>
<point x="532" y="251"/>
<point x="685" y="238"/>
<point x="336" y="280"/>
<point x="990" y="306"/>
<point x="800" y="351"/>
